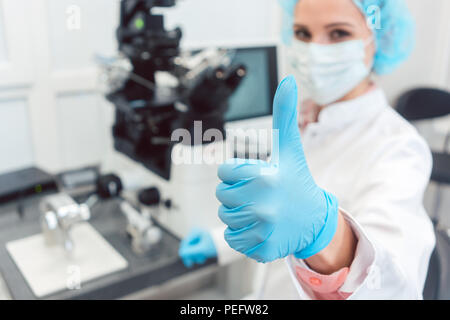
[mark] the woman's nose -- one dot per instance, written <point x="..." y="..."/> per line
<point x="320" y="39"/>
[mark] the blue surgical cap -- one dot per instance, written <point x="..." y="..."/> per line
<point x="390" y="21"/>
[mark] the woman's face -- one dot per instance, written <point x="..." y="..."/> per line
<point x="331" y="21"/>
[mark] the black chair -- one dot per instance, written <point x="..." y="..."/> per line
<point x="437" y="284"/>
<point x="423" y="104"/>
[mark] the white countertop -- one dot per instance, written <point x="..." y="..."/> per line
<point x="4" y="293"/>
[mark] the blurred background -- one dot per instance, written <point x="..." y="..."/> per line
<point x="49" y="106"/>
<point x="53" y="115"/>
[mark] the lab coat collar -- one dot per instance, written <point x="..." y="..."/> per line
<point x="339" y="115"/>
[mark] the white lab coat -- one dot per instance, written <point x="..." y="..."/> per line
<point x="378" y="166"/>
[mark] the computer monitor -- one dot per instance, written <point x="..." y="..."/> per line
<point x="255" y="94"/>
<point x="250" y="108"/>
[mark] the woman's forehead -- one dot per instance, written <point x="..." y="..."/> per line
<point x="327" y="11"/>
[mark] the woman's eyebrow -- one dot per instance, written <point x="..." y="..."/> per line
<point x="298" y="25"/>
<point x="339" y="24"/>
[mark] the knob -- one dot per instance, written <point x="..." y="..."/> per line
<point x="109" y="186"/>
<point x="150" y="196"/>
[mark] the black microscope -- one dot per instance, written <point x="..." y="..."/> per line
<point x="147" y="113"/>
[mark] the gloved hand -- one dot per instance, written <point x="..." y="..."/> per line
<point x="197" y="247"/>
<point x="276" y="209"/>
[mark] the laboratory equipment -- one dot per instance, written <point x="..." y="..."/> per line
<point x="59" y="213"/>
<point x="144" y="234"/>
<point x="23" y="183"/>
<point x="147" y="112"/>
<point x="157" y="89"/>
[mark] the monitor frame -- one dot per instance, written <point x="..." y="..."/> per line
<point x="272" y="57"/>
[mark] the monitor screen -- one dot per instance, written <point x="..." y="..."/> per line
<point x="254" y="96"/>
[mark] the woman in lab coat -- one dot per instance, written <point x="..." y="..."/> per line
<point x="370" y="161"/>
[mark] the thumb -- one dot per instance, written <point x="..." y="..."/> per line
<point x="286" y="135"/>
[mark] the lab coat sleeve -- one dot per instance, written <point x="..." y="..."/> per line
<point x="342" y="283"/>
<point x="225" y="254"/>
<point x="395" y="235"/>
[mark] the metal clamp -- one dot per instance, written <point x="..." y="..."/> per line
<point x="143" y="233"/>
<point x="59" y="213"/>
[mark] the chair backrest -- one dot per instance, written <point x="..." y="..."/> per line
<point x="437" y="284"/>
<point x="423" y="103"/>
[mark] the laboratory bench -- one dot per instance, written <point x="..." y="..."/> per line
<point x="159" y="265"/>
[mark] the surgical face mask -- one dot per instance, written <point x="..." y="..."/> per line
<point x="326" y="73"/>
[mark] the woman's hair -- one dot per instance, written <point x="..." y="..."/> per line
<point x="390" y="21"/>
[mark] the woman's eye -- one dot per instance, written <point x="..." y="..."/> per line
<point x="337" y="35"/>
<point x="302" y="35"/>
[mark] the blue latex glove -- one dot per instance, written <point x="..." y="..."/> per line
<point x="197" y="247"/>
<point x="276" y="209"/>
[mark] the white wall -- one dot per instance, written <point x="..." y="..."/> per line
<point x="208" y="22"/>
<point x="429" y="64"/>
<point x="15" y="147"/>
<point x="51" y="112"/>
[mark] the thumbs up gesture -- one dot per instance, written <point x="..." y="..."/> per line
<point x="275" y="209"/>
